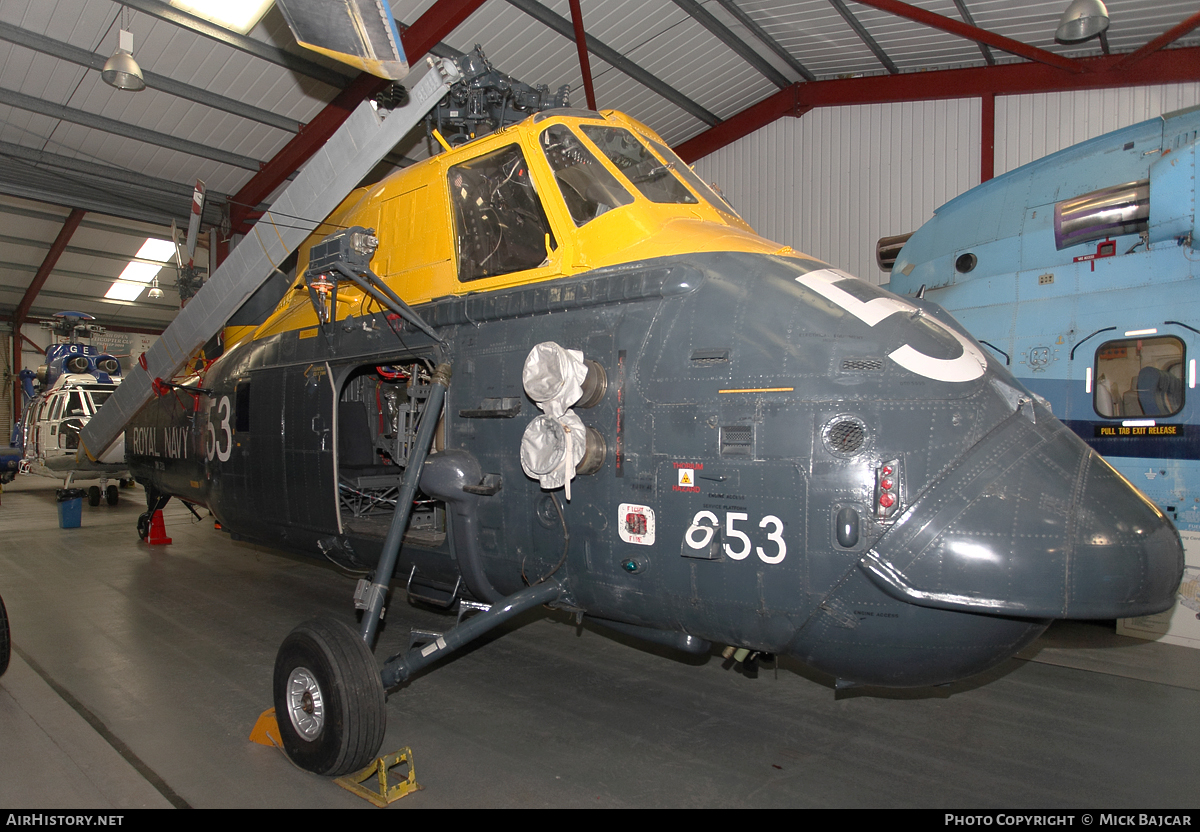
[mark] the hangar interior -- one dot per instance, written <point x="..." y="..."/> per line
<point x="138" y="671"/>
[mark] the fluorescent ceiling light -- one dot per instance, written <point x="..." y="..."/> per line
<point x="123" y="290"/>
<point x="154" y="249"/>
<point x="238" y="15"/>
<point x="139" y="272"/>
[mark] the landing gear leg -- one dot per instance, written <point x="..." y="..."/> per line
<point x="154" y="502"/>
<point x="329" y="699"/>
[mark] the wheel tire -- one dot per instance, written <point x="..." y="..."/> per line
<point x="329" y="698"/>
<point x="5" y="639"/>
<point x="143" y="525"/>
<point x="111" y="495"/>
<point x="94" y="495"/>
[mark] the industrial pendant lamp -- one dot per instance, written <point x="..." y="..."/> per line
<point x="1083" y="20"/>
<point x="121" y="70"/>
<point x="154" y="292"/>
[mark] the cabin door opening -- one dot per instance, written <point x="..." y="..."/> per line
<point x="379" y="408"/>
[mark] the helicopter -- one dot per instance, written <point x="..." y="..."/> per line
<point x="72" y="385"/>
<point x="551" y="366"/>
<point x="1081" y="284"/>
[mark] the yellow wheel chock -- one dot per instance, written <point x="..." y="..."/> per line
<point x="386" y="794"/>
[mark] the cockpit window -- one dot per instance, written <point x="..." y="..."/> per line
<point x="75" y="405"/>
<point x="641" y="167"/>
<point x="587" y="187"/>
<point x="99" y="397"/>
<point x="500" y="224"/>
<point x="1139" y="377"/>
<point x="689" y="176"/>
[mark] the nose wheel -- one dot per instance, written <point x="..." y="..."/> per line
<point x="329" y="699"/>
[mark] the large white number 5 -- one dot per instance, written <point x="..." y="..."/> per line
<point x="730" y="531"/>
<point x="967" y="367"/>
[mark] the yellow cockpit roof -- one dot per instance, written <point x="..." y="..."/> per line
<point x="561" y="193"/>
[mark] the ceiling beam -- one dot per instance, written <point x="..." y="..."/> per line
<point x="94" y="201"/>
<point x="300" y="149"/>
<point x="611" y="56"/>
<point x="970" y="21"/>
<point x="964" y="30"/>
<point x="242" y="43"/>
<point x="119" y="128"/>
<point x="865" y="36"/>
<point x="48" y="262"/>
<point x="585" y="63"/>
<point x="772" y="108"/>
<point x="1103" y="72"/>
<point x="1168" y="37"/>
<point x="8" y="239"/>
<point x="33" y="213"/>
<point x="97" y="191"/>
<point x="727" y="37"/>
<point x="95" y="172"/>
<point x="441" y="19"/>
<point x="772" y="44"/>
<point x="92" y="60"/>
<point x="166" y="280"/>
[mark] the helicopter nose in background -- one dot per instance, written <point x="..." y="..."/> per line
<point x="1031" y="522"/>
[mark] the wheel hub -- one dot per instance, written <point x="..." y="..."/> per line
<point x="306" y="706"/>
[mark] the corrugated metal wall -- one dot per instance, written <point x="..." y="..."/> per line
<point x="835" y="181"/>
<point x="1029" y="127"/>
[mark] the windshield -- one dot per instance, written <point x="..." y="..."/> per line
<point x="646" y="171"/>
<point x="689" y="176"/>
<point x="586" y="185"/>
<point x="99" y="397"/>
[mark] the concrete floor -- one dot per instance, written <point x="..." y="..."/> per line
<point x="139" y="671"/>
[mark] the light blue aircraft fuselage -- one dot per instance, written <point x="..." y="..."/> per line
<point x="1079" y="270"/>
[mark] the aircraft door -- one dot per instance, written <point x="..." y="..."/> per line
<point x="294" y="487"/>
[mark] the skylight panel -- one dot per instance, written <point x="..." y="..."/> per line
<point x="238" y="15"/>
<point x="155" y="249"/>
<point x="139" y="272"/>
<point x="124" y="290"/>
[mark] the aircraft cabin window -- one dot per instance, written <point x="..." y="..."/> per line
<point x="1139" y="377"/>
<point x="587" y="187"/>
<point x="500" y="223"/>
<point x="653" y="178"/>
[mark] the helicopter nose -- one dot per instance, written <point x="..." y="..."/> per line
<point x="1031" y="522"/>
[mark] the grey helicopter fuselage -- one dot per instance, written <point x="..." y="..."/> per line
<point x="791" y="460"/>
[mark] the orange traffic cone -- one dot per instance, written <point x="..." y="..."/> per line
<point x="158" y="532"/>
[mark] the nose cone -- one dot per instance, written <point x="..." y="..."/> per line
<point x="1031" y="522"/>
<point x="1125" y="556"/>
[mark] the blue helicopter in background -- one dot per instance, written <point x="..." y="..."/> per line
<point x="1079" y="271"/>
<point x="75" y="381"/>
